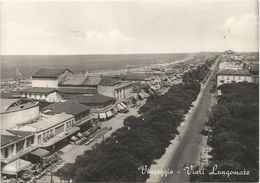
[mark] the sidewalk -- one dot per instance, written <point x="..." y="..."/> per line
<point x="163" y="162"/>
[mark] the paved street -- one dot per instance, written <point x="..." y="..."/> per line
<point x="189" y="147"/>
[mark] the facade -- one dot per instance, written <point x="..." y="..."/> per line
<point x="15" y="144"/>
<point x="233" y="76"/>
<point x="101" y="106"/>
<point x="17" y="111"/>
<point x="51" y="129"/>
<point x="50" y="77"/>
<point x="121" y="91"/>
<point x="81" y="113"/>
<point x="41" y="94"/>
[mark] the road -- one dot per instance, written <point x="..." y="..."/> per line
<point x="189" y="147"/>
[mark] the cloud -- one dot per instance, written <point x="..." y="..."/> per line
<point x="95" y="36"/>
<point x="245" y="26"/>
<point x="240" y="33"/>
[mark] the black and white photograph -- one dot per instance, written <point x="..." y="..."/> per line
<point x="155" y="91"/>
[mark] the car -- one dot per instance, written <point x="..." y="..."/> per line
<point x="90" y="141"/>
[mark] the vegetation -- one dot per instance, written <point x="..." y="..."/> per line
<point x="234" y="138"/>
<point x="142" y="139"/>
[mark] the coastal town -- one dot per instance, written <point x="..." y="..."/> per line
<point x="56" y="115"/>
<point x="129" y="91"/>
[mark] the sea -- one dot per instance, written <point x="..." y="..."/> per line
<point x="28" y="64"/>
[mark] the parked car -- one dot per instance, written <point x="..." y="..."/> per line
<point x="89" y="141"/>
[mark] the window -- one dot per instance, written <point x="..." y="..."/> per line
<point x="221" y="81"/>
<point x="227" y="77"/>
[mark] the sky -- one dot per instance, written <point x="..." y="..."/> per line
<point x="123" y="27"/>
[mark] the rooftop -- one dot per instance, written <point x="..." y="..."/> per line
<point x="92" y="99"/>
<point x="108" y="81"/>
<point x="6" y="103"/>
<point x="49" y="72"/>
<point x="38" y="90"/>
<point x="47" y="122"/>
<point x="82" y="80"/>
<point x="232" y="72"/>
<point x="69" y="107"/>
<point x="12" y="136"/>
<point x="11" y="105"/>
<point x="76" y="90"/>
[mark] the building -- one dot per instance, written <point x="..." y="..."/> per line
<point x="51" y="130"/>
<point x="101" y="106"/>
<point x="41" y="94"/>
<point x="16" y="144"/>
<point x="254" y="71"/>
<point x="50" y="77"/>
<point x="17" y="111"/>
<point x="81" y="113"/>
<point x="121" y="91"/>
<point x="233" y="76"/>
<point x="230" y="65"/>
<point x="81" y="81"/>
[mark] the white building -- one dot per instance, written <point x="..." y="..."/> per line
<point x="41" y="94"/>
<point x="233" y="76"/>
<point x="17" y="111"/>
<point x="122" y="91"/>
<point x="50" y="77"/>
<point x="51" y="129"/>
<point x="230" y="65"/>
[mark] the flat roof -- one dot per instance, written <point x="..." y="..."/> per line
<point x="233" y="72"/>
<point x="13" y="135"/>
<point x="49" y="122"/>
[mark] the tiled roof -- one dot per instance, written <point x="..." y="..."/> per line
<point x="79" y="80"/>
<point x="233" y="72"/>
<point x="134" y="76"/>
<point x="75" y="90"/>
<point x="93" y="99"/>
<point x="108" y="81"/>
<point x="38" y="90"/>
<point x="49" y="72"/>
<point x="69" y="107"/>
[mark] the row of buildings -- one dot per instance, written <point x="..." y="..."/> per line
<point x="234" y="68"/>
<point x="61" y="104"/>
<point x="58" y="105"/>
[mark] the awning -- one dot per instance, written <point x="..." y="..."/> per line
<point x="109" y="114"/>
<point x="115" y="109"/>
<point x="123" y="105"/>
<point x="15" y="167"/>
<point x="102" y="115"/>
<point x="40" y="152"/>
<point x="120" y="107"/>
